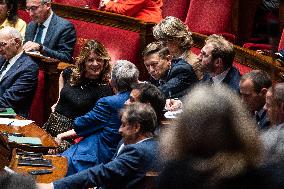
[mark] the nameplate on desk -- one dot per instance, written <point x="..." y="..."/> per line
<point x="33" y="141"/>
<point x="7" y="113"/>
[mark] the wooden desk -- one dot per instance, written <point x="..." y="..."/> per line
<point x="31" y="130"/>
<point x="59" y="168"/>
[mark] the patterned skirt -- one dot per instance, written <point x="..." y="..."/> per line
<point x="57" y="124"/>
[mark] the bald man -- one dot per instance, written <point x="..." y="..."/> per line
<point x="18" y="73"/>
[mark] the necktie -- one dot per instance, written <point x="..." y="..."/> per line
<point x="4" y="66"/>
<point x="211" y="82"/>
<point x="39" y="33"/>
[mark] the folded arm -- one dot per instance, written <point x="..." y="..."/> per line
<point x="128" y="7"/>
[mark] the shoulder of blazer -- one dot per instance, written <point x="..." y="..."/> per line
<point x="57" y="19"/>
<point x="28" y="61"/>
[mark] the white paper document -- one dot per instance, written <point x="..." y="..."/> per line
<point x="15" y="122"/>
<point x="172" y="114"/>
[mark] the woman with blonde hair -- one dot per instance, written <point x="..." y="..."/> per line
<point x="178" y="38"/>
<point x="214" y="145"/>
<point x="79" y="89"/>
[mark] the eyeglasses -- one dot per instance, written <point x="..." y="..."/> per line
<point x="33" y="8"/>
<point x="3" y="44"/>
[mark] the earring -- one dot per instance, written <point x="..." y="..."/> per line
<point x="8" y="13"/>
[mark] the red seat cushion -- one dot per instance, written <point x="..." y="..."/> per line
<point x="24" y="15"/>
<point x="211" y="16"/>
<point x="172" y="8"/>
<point x="243" y="69"/>
<point x="37" y="108"/>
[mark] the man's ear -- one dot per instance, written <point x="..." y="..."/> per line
<point x="218" y="62"/>
<point x="18" y="41"/>
<point x="168" y="57"/>
<point x="48" y="5"/>
<point x="263" y="91"/>
<point x="137" y="127"/>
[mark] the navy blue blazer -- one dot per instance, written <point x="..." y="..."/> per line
<point x="179" y="79"/>
<point x="99" y="127"/>
<point x="126" y="170"/>
<point x="262" y="119"/>
<point x="60" y="38"/>
<point x="18" y="85"/>
<point x="232" y="79"/>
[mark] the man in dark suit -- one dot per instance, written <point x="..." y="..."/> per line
<point x="217" y="58"/>
<point x="48" y="33"/>
<point x="253" y="88"/>
<point x="173" y="76"/>
<point x="137" y="155"/>
<point x="18" y="73"/>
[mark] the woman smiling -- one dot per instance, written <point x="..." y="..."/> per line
<point x="79" y="89"/>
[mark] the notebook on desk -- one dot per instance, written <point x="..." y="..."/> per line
<point x="7" y="112"/>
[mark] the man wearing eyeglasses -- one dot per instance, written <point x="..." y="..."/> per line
<point x="18" y="73"/>
<point x="48" y="33"/>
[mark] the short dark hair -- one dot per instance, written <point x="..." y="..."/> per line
<point x="259" y="78"/>
<point x="149" y="93"/>
<point x="16" y="181"/>
<point x="156" y="47"/>
<point x="222" y="49"/>
<point x="141" y="113"/>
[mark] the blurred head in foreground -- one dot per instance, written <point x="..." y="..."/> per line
<point x="215" y="132"/>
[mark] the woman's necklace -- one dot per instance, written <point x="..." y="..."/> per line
<point x="90" y="82"/>
<point x="87" y="83"/>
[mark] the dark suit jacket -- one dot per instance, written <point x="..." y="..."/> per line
<point x="99" y="127"/>
<point x="232" y="79"/>
<point x="18" y="85"/>
<point x="60" y="38"/>
<point x="125" y="171"/>
<point x="178" y="80"/>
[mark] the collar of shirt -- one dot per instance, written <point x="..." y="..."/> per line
<point x="11" y="63"/>
<point x="47" y="21"/>
<point x="219" y="78"/>
<point x="122" y="145"/>
<point x="46" y="25"/>
<point x="259" y="114"/>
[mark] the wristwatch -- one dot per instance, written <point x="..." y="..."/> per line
<point x="40" y="47"/>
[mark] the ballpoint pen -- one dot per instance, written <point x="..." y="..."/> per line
<point x="9" y="124"/>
